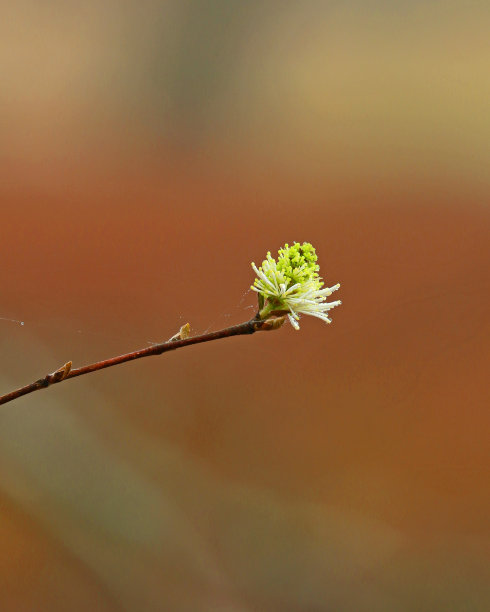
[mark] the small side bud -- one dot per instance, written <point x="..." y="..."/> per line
<point x="273" y="323"/>
<point x="183" y="333"/>
<point x="59" y="374"/>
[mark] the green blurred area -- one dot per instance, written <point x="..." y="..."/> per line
<point x="149" y="152"/>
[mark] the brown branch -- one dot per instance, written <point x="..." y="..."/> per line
<point x="180" y="340"/>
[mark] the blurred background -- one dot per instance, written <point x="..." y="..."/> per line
<point x="149" y="152"/>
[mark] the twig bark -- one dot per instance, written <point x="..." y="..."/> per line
<point x="66" y="372"/>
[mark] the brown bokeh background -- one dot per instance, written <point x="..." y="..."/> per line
<point x="151" y="150"/>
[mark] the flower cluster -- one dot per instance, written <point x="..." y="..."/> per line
<point x="292" y="285"/>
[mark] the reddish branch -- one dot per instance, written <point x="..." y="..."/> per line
<point x="65" y="372"/>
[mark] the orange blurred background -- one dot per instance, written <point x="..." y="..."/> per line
<point x="149" y="152"/>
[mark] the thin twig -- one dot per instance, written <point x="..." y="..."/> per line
<point x="65" y="372"/>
